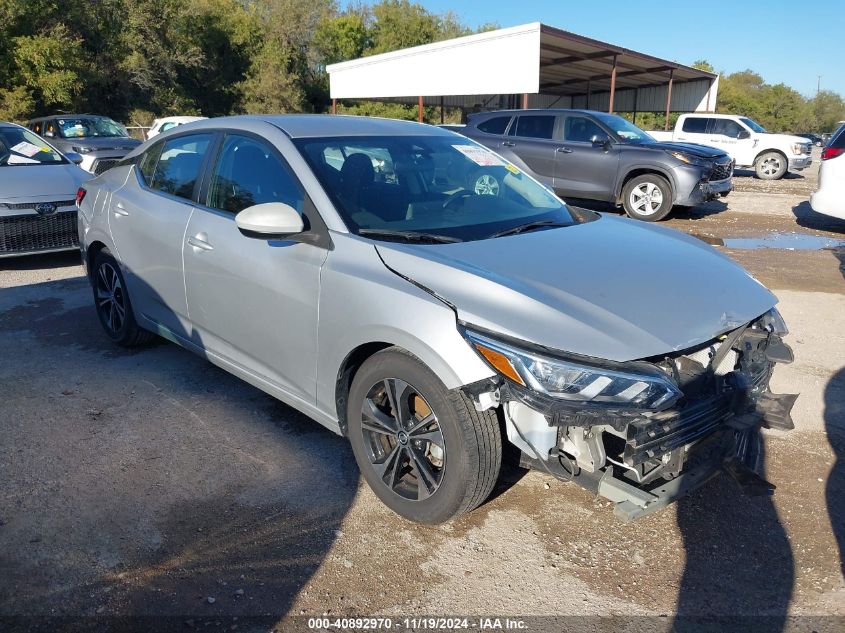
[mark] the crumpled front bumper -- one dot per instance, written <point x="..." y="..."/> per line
<point x="695" y="441"/>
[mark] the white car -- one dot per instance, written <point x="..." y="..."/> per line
<point x="829" y="198"/>
<point x="745" y="140"/>
<point x="164" y="124"/>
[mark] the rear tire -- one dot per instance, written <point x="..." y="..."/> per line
<point x="427" y="472"/>
<point x="647" y="197"/>
<point x="771" y="166"/>
<point x="111" y="300"/>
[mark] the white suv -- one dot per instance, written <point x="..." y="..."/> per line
<point x="829" y="198"/>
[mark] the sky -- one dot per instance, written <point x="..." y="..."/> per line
<point x="782" y="40"/>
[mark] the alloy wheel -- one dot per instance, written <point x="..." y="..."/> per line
<point x="486" y="185"/>
<point x="771" y="166"/>
<point x="111" y="300"/>
<point x="403" y="439"/>
<point x="646" y="198"/>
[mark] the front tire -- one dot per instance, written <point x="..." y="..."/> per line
<point x="770" y="166"/>
<point x="647" y="197"/>
<point x="422" y="448"/>
<point x="111" y="300"/>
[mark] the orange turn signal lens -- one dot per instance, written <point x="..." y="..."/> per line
<point x="500" y="363"/>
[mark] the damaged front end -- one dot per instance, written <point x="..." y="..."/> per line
<point x="642" y="434"/>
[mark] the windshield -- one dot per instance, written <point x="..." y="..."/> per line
<point x="751" y="123"/>
<point x="90" y="127"/>
<point x="428" y="187"/>
<point x="21" y="147"/>
<point x="624" y="129"/>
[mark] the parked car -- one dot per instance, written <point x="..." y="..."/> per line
<point x="598" y="156"/>
<point x="101" y="141"/>
<point x="428" y="320"/>
<point x="38" y="187"/>
<point x="815" y="139"/>
<point x="747" y="142"/>
<point x="169" y="122"/>
<point x="829" y="198"/>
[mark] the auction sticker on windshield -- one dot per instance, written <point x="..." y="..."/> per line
<point x="25" y="149"/>
<point x="479" y="155"/>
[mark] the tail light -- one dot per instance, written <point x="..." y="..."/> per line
<point x="80" y="195"/>
<point x="832" y="152"/>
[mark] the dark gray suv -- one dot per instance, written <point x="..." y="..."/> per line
<point x="598" y="156"/>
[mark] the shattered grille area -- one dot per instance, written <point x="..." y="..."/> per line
<point x="31" y="233"/>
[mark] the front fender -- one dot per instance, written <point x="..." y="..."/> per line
<point x="363" y="302"/>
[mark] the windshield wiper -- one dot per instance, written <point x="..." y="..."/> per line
<point x="410" y="236"/>
<point x="528" y="226"/>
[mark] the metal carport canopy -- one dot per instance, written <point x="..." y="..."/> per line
<point x="548" y="66"/>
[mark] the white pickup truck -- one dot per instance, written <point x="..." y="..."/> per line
<point x="745" y="140"/>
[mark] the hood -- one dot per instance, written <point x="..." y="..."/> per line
<point x="791" y="139"/>
<point x="614" y="288"/>
<point x="41" y="182"/>
<point x="702" y="151"/>
<point x="97" y="144"/>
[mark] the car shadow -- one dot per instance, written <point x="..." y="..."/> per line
<point x="711" y="207"/>
<point x="739" y="570"/>
<point x="192" y="498"/>
<point x="41" y="261"/>
<point x="834" y="421"/>
<point x="809" y="219"/>
<point x="750" y="173"/>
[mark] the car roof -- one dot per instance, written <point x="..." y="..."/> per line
<point x="54" y="117"/>
<point x="327" y="125"/>
<point x="536" y="111"/>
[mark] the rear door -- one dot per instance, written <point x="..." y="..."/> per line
<point x="584" y="169"/>
<point x="694" y="130"/>
<point x="148" y="217"/>
<point x="531" y="141"/>
<point x="253" y="302"/>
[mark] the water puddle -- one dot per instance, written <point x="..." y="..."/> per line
<point x="786" y="241"/>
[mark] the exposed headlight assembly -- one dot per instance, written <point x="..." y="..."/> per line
<point x="689" y="159"/>
<point x="645" y="388"/>
<point x="773" y="322"/>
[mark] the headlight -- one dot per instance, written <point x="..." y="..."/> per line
<point x="689" y="159"/>
<point x="801" y="148"/>
<point x="81" y="149"/>
<point x="645" y="388"/>
<point x="773" y="322"/>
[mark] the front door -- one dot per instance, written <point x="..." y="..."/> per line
<point x="253" y="302"/>
<point x="147" y="218"/>
<point x="584" y="169"/>
<point x="733" y="138"/>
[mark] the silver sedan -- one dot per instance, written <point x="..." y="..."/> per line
<point x="348" y="267"/>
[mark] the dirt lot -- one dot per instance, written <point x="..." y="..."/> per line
<point x="151" y="483"/>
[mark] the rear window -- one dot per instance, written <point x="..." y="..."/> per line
<point x="838" y="139"/>
<point x="695" y="125"/>
<point x="496" y="125"/>
<point x="539" y="126"/>
<point x="179" y="165"/>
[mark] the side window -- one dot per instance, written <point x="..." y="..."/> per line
<point x="580" y="129"/>
<point x="179" y="165"/>
<point x="148" y="162"/>
<point x="35" y="126"/>
<point x="49" y="129"/>
<point x="726" y="127"/>
<point x="167" y="126"/>
<point x="496" y="125"/>
<point x="536" y="126"/>
<point x="695" y="125"/>
<point x="248" y="172"/>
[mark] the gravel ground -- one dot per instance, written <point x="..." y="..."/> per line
<point x="151" y="483"/>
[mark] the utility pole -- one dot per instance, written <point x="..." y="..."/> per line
<point x="818" y="85"/>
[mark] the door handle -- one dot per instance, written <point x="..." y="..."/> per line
<point x="564" y="150"/>
<point x="199" y="241"/>
<point x="508" y="144"/>
<point x="119" y="209"/>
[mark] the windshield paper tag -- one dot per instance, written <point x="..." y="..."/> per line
<point x="26" y="149"/>
<point x="479" y="155"/>
<point x="14" y="159"/>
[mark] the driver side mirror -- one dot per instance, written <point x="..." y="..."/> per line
<point x="743" y="134"/>
<point x="600" y="139"/>
<point x="73" y="157"/>
<point x="271" y="220"/>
